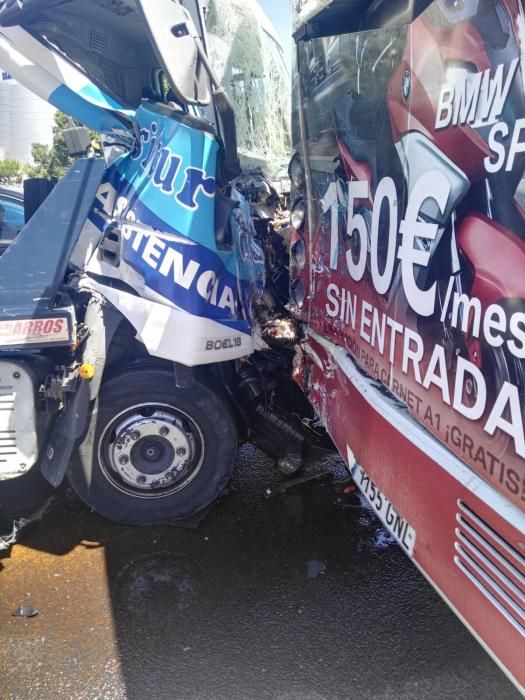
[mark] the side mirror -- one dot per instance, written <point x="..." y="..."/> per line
<point x="78" y="140"/>
<point x="176" y="42"/>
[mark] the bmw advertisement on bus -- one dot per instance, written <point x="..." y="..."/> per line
<point x="416" y="143"/>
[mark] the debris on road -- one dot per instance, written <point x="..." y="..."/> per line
<point x="298" y="481"/>
<point x="26" y="610"/>
<point x="10" y="530"/>
<point x="315" y="568"/>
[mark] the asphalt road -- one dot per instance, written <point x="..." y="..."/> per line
<point x="300" y="596"/>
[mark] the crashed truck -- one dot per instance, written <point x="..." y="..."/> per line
<point x="141" y="336"/>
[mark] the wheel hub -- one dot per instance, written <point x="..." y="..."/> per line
<point x="152" y="453"/>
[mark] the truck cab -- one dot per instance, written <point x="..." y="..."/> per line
<point x="133" y="301"/>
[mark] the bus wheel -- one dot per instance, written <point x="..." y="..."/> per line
<point x="154" y="452"/>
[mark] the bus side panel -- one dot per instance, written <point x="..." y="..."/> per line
<point x="412" y="171"/>
<point x="413" y="140"/>
<point x="469" y="550"/>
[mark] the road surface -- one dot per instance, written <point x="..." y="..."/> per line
<point x="301" y="596"/>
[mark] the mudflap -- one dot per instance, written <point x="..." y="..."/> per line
<point x="103" y="320"/>
<point x="68" y="429"/>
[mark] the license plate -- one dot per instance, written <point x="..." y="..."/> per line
<point x="385" y="511"/>
<point x="34" y="331"/>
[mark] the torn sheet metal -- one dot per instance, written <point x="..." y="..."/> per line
<point x="159" y="201"/>
<point x="174" y="334"/>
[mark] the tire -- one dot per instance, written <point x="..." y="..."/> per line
<point x="154" y="452"/>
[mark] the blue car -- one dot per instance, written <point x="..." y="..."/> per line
<point x="11" y="215"/>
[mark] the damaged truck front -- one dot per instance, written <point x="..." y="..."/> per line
<point x="130" y="304"/>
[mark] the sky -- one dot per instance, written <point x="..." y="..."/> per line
<point x="279" y="13"/>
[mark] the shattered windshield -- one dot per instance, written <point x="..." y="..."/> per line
<point x="250" y="64"/>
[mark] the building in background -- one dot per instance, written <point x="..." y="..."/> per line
<point x="24" y="119"/>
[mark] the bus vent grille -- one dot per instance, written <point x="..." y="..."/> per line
<point x="492" y="564"/>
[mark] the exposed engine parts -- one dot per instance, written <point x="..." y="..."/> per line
<point x="271" y="429"/>
<point x="278" y="418"/>
<point x="281" y="333"/>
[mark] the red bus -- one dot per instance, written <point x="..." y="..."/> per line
<point x="408" y="271"/>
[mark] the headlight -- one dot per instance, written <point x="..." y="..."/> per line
<point x="298" y="293"/>
<point x="298" y="214"/>
<point x="296" y="171"/>
<point x="298" y="254"/>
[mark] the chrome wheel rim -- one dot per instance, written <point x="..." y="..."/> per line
<point x="151" y="450"/>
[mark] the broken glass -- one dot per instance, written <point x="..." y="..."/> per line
<point x="249" y="61"/>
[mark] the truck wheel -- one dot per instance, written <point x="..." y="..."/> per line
<point x="154" y="452"/>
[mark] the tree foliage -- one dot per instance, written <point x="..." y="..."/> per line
<point x="11" y="172"/>
<point x="51" y="162"/>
